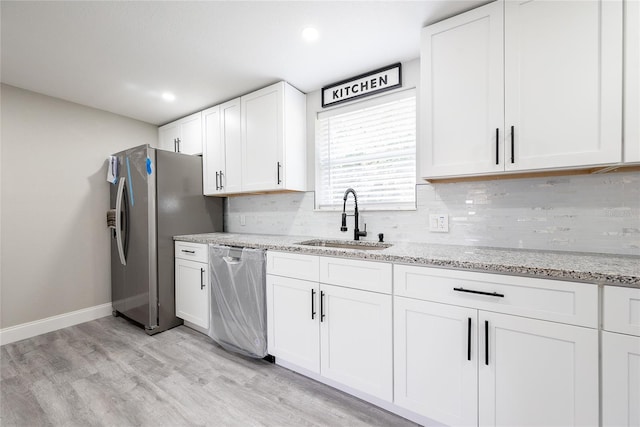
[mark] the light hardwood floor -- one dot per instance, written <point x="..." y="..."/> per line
<point x="110" y="373"/>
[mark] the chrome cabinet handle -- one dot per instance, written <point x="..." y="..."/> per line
<point x="201" y="278"/>
<point x="221" y="185"/>
<point x="313" y="298"/>
<point x="217" y="187"/>
<point x="188" y="252"/>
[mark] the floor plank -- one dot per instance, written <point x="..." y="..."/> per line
<point x="108" y="372"/>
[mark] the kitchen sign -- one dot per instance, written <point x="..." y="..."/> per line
<point x="376" y="81"/>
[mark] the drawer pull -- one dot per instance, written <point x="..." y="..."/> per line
<point x="201" y="278"/>
<point x="469" y="339"/>
<point x="471" y="291"/>
<point x="188" y="252"/>
<point x="313" y="298"/>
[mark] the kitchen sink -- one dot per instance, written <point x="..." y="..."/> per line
<point x="342" y="244"/>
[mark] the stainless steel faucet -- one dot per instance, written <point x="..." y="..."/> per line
<point x="356" y="232"/>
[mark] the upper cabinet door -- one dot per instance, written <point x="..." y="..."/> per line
<point x="191" y="134"/>
<point x="262" y="138"/>
<point x="212" y="151"/>
<point x="183" y="135"/>
<point x="462" y="94"/>
<point x="632" y="82"/>
<point x="231" y="174"/>
<point x="563" y="85"/>
<point x="168" y="136"/>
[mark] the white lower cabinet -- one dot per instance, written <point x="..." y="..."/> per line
<point x="537" y="373"/>
<point x="620" y="379"/>
<point x="436" y="362"/>
<point x="457" y="364"/>
<point x="340" y="333"/>
<point x="454" y="347"/>
<point x="531" y="372"/>
<point x="192" y="283"/>
<point x="293" y="330"/>
<point x="356" y="339"/>
<point x="192" y="292"/>
<point x="621" y="357"/>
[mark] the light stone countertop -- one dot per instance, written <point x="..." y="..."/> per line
<point x="619" y="270"/>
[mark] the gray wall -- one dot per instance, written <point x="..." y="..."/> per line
<point x="54" y="196"/>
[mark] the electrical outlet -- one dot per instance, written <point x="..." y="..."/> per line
<point x="439" y="223"/>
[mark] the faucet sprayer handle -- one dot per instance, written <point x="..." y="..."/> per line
<point x="344" y="222"/>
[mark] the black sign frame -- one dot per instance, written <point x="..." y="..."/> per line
<point x="359" y="77"/>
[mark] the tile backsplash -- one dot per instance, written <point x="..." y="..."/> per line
<point x="584" y="213"/>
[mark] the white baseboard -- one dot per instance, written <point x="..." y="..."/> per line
<point x="388" y="406"/>
<point x="42" y="326"/>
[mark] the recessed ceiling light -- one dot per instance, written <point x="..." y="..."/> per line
<point x="168" y="96"/>
<point x="310" y="34"/>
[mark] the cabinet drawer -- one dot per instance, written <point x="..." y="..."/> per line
<point x="298" y="266"/>
<point x="554" y="300"/>
<point x="193" y="251"/>
<point x="358" y="274"/>
<point x="621" y="310"/>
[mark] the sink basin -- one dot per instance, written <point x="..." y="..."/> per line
<point x="341" y="244"/>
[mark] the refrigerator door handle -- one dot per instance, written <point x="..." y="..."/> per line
<point x="119" y="243"/>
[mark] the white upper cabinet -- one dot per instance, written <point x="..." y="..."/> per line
<point x="212" y="151"/>
<point x="632" y="82"/>
<point x="183" y="135"/>
<point x="168" y="136"/>
<point x="256" y="143"/>
<point x="462" y="94"/>
<point x="222" y="165"/>
<point x="273" y="122"/>
<point x="563" y="84"/>
<point x="262" y="136"/>
<point x="230" y="128"/>
<point x="546" y="94"/>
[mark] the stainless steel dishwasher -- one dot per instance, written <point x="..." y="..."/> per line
<point x="238" y="302"/>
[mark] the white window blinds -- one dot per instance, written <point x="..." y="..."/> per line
<point x="370" y="147"/>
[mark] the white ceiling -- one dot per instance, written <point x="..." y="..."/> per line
<point x="121" y="56"/>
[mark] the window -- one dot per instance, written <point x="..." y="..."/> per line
<point x="371" y="147"/>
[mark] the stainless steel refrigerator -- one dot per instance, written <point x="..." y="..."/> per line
<point x="157" y="194"/>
